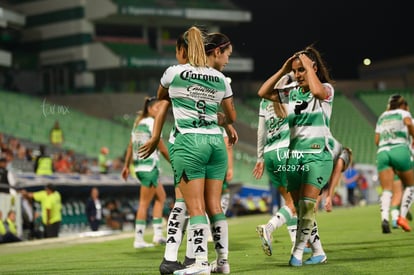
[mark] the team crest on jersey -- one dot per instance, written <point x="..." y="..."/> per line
<point x="201" y="93"/>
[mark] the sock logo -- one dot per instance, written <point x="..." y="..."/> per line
<point x="305" y="231"/>
<point x="198" y="237"/>
<point x="199" y="249"/>
<point x="407" y="202"/>
<point x="172" y="231"/>
<point x="198" y="233"/>
<point x="177" y="210"/>
<point x="216" y="229"/>
<point x="314" y="235"/>
<point x="171" y="240"/>
<point x="216" y="232"/>
<point x="173" y="224"/>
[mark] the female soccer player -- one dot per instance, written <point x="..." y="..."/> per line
<point x="392" y="132"/>
<point x="147" y="171"/>
<point x="310" y="163"/>
<point x="200" y="157"/>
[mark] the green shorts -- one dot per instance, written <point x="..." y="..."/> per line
<point x="170" y="147"/>
<point x="396" y="157"/>
<point x="314" y="169"/>
<point x="275" y="164"/>
<point x="149" y="179"/>
<point x="199" y="156"/>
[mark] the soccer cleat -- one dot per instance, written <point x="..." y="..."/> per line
<point x="195" y="269"/>
<point x="159" y="240"/>
<point x="266" y="238"/>
<point x="168" y="267"/>
<point x="188" y="261"/>
<point x="294" y="261"/>
<point x="394" y="224"/>
<point x="321" y="259"/>
<point x="142" y="244"/>
<point x="385" y="227"/>
<point x="222" y="266"/>
<point x="404" y="224"/>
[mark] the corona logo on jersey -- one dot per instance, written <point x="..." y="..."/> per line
<point x="186" y="75"/>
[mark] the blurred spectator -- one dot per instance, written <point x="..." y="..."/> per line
<point x="8" y="154"/>
<point x="43" y="163"/>
<point x="29" y="217"/>
<point x="363" y="188"/>
<point x="56" y="135"/>
<point x="13" y="144"/>
<point x="251" y="204"/>
<point x="117" y="164"/>
<point x="51" y="204"/>
<point x="94" y="167"/>
<point x="7" y="180"/>
<point x="113" y="216"/>
<point x="1" y="140"/>
<point x="8" y="228"/>
<point x="263" y="204"/>
<point x="4" y="176"/>
<point x="350" y="177"/>
<point x="29" y="154"/>
<point x="3" y="144"/>
<point x="62" y="164"/>
<point x="103" y="161"/>
<point x="21" y="153"/>
<point x="24" y="153"/>
<point x="71" y="157"/>
<point x="237" y="208"/>
<point x="94" y="209"/>
<point x="83" y="167"/>
<point x="337" y="199"/>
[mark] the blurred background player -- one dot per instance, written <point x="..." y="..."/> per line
<point x="392" y="134"/>
<point x="147" y="172"/>
<point x="273" y="139"/>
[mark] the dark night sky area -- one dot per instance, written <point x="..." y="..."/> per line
<point x="344" y="32"/>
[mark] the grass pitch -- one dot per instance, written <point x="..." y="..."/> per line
<point x="352" y="239"/>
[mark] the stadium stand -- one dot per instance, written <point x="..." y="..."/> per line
<point x="247" y="112"/>
<point x="86" y="134"/>
<point x="31" y="118"/>
<point x="377" y="101"/>
<point x="353" y="130"/>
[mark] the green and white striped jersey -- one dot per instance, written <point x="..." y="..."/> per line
<point x="195" y="94"/>
<point x="391" y="128"/>
<point x="140" y="134"/>
<point x="277" y="129"/>
<point x="309" y="119"/>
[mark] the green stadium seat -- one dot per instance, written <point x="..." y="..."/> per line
<point x="377" y="101"/>
<point x="353" y="130"/>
